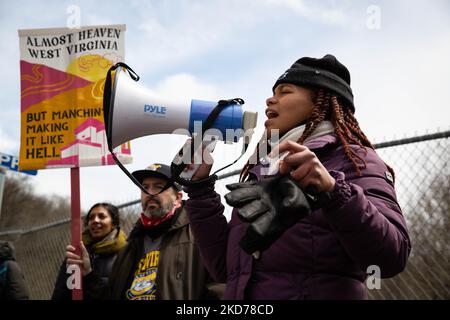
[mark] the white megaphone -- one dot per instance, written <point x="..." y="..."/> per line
<point x="134" y="111"/>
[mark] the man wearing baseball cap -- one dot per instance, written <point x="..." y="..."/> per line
<point x="161" y="260"/>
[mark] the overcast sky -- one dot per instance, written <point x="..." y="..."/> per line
<point x="397" y="53"/>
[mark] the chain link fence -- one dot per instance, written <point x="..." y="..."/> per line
<point x="422" y="172"/>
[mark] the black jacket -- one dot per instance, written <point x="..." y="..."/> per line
<point x="102" y="254"/>
<point x="102" y="264"/>
<point x="12" y="282"/>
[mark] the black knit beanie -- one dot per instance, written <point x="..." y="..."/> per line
<point x="326" y="72"/>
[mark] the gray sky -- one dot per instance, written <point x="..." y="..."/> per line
<point x="397" y="52"/>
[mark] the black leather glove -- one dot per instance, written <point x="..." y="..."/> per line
<point x="271" y="206"/>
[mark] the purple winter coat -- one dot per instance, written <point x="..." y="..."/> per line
<point x="323" y="256"/>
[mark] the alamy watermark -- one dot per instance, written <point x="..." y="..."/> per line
<point x="74" y="279"/>
<point x="373" y="280"/>
<point x="373" y="21"/>
<point x="196" y="150"/>
<point x="74" y="19"/>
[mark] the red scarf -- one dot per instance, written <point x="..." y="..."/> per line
<point x="149" y="222"/>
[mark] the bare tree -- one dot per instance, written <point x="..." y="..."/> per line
<point x="23" y="208"/>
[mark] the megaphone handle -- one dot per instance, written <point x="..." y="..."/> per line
<point x="208" y="145"/>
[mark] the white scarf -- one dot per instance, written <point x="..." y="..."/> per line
<point x="325" y="127"/>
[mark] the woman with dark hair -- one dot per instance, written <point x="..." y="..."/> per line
<point x="103" y="239"/>
<point x="316" y="215"/>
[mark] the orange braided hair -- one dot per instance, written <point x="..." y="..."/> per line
<point x="346" y="127"/>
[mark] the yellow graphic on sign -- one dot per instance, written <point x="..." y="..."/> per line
<point x="91" y="67"/>
<point x="62" y="108"/>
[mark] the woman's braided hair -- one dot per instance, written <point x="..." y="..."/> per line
<point x="346" y="127"/>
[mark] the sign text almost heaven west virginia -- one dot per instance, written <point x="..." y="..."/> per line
<point x="63" y="74"/>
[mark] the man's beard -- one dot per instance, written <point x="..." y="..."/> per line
<point x="158" y="212"/>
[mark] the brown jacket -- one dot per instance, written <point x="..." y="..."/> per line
<point x="181" y="274"/>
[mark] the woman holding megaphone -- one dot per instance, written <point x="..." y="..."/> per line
<point x="314" y="216"/>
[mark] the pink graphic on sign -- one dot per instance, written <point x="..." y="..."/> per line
<point x="89" y="148"/>
<point x="39" y="82"/>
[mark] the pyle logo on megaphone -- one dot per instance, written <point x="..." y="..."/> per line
<point x="156" y="111"/>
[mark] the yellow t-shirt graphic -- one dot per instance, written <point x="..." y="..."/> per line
<point x="143" y="286"/>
